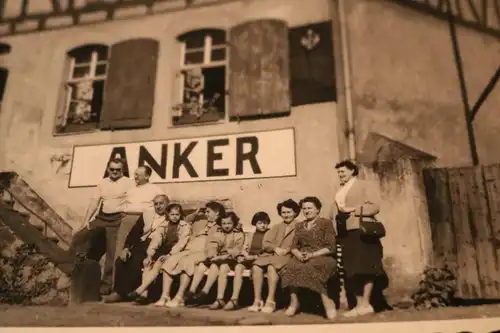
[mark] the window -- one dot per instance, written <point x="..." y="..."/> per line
<point x="4" y="72"/>
<point x="203" y="77"/>
<point x="84" y="88"/>
<point x="109" y="88"/>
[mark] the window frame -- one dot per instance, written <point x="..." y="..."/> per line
<point x="5" y="50"/>
<point x="70" y="80"/>
<point x="207" y="49"/>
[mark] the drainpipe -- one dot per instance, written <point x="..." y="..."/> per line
<point x="347" y="79"/>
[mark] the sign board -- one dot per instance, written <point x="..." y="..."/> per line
<point x="238" y="156"/>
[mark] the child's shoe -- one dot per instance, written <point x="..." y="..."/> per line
<point x="231" y="305"/>
<point x="217" y="305"/>
<point x="175" y="303"/>
<point x="256" y="306"/>
<point x="270" y="307"/>
<point x="163" y="301"/>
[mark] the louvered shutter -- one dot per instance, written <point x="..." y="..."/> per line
<point x="259" y="69"/>
<point x="312" y="71"/>
<point x="130" y="85"/>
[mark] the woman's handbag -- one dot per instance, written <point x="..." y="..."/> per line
<point x="372" y="228"/>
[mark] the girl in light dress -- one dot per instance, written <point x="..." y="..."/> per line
<point x="251" y="251"/>
<point x="222" y="251"/>
<point x="170" y="238"/>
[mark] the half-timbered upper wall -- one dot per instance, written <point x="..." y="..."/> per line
<point x="480" y="15"/>
<point x="28" y="16"/>
<point x="406" y="86"/>
<point x="25" y="16"/>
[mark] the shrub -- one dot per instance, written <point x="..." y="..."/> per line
<point x="436" y="290"/>
<point x="19" y="276"/>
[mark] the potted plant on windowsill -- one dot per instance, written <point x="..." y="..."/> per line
<point x="195" y="107"/>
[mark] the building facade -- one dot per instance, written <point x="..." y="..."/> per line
<point x="249" y="101"/>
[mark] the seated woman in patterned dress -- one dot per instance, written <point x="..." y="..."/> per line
<point x="184" y="263"/>
<point x="276" y="248"/>
<point x="313" y="262"/>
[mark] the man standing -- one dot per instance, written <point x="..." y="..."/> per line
<point x="98" y="236"/>
<point x="139" y="200"/>
<point x="122" y="204"/>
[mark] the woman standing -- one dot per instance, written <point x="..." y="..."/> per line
<point x="313" y="263"/>
<point x="362" y="257"/>
<point x="276" y="247"/>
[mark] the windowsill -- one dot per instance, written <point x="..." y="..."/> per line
<point x="56" y="134"/>
<point x="208" y="123"/>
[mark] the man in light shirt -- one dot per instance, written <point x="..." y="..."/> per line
<point x="138" y="201"/>
<point x="119" y="203"/>
<point x="97" y="237"/>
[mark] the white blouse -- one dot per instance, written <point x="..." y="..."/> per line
<point x="341" y="195"/>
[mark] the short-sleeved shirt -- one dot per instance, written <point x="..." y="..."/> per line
<point x="140" y="198"/>
<point x="113" y="193"/>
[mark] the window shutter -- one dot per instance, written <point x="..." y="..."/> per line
<point x="259" y="69"/>
<point x="130" y="85"/>
<point x="312" y="71"/>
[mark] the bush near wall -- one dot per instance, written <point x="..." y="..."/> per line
<point x="28" y="278"/>
<point x="436" y="290"/>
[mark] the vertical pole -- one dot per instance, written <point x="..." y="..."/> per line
<point x="463" y="87"/>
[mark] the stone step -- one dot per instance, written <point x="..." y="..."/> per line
<point x="9" y="202"/>
<point x="39" y="227"/>
<point x="53" y="239"/>
<point x="27" y="233"/>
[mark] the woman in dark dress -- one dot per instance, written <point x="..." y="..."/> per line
<point x="365" y="277"/>
<point x="313" y="262"/>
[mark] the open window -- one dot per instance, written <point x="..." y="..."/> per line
<point x="84" y="88"/>
<point x="110" y="88"/>
<point x="4" y="71"/>
<point x="202" y="77"/>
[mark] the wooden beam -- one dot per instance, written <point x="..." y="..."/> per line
<point x="479" y="23"/>
<point x="463" y="86"/>
<point x="485" y="94"/>
<point x="56" y="6"/>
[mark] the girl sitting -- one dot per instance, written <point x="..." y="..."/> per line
<point x="251" y="251"/>
<point x="221" y="252"/>
<point x="168" y="239"/>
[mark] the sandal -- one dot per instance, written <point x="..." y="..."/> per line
<point x="331" y="314"/>
<point x="270" y="307"/>
<point x="231" y="305"/>
<point x="218" y="304"/>
<point x="162" y="302"/>
<point x="291" y="311"/>
<point x="175" y="303"/>
<point x="256" y="306"/>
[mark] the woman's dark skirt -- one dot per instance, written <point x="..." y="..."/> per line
<point x="361" y="256"/>
<point x="362" y="263"/>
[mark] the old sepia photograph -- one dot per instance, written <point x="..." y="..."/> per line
<point x="194" y="163"/>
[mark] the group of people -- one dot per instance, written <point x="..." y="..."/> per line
<point x="144" y="236"/>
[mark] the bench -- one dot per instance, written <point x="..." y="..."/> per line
<point x="248" y="273"/>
